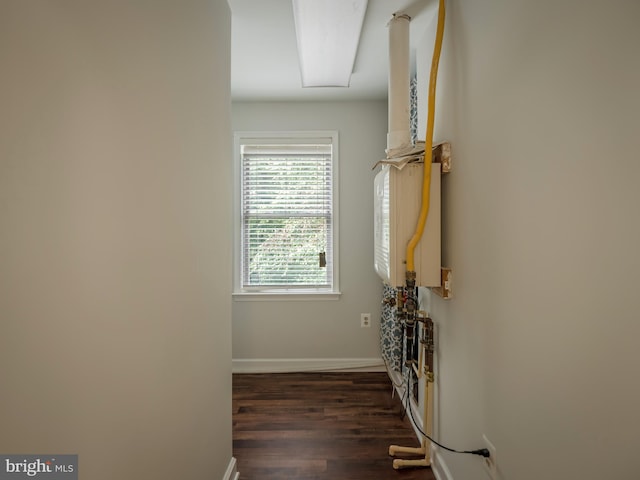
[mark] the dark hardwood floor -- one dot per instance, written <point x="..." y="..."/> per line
<point x="319" y="426"/>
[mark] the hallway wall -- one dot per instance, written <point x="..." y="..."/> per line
<point x="537" y="349"/>
<point x="115" y="306"/>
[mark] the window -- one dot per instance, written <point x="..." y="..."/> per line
<point x="285" y="211"/>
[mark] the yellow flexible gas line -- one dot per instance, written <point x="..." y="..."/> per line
<point x="426" y="182"/>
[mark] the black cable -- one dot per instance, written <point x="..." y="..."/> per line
<point x="483" y="452"/>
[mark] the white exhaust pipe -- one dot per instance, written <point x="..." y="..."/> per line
<point x="399" y="134"/>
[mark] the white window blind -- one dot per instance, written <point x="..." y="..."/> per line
<point x="287" y="215"/>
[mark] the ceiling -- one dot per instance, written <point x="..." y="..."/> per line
<point x="264" y="58"/>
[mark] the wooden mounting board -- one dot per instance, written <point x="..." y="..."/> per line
<point x="444" y="290"/>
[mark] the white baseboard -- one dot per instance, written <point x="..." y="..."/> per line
<point x="290" y="365"/>
<point x="232" y="471"/>
<point x="438" y="465"/>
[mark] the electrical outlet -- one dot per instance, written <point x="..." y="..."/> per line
<point x="365" y="320"/>
<point x="490" y="465"/>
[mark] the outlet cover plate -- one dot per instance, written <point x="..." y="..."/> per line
<point x="490" y="465"/>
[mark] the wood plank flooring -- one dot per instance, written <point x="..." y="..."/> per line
<point x="319" y="426"/>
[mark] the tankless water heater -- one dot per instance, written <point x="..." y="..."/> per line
<point x="398" y="195"/>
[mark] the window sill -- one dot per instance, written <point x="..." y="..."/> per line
<point x="285" y="296"/>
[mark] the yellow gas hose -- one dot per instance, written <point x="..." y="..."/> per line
<point x="426" y="182"/>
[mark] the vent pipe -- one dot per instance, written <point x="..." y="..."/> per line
<point x="399" y="134"/>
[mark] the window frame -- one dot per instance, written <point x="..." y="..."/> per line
<point x="283" y="293"/>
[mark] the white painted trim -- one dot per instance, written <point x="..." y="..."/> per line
<point x="290" y="365"/>
<point x="232" y="471"/>
<point x="288" y="137"/>
<point x="438" y="465"/>
<point x="285" y="297"/>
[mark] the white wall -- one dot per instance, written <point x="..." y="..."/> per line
<point x="114" y="300"/>
<point x="538" y="348"/>
<point x="323" y="329"/>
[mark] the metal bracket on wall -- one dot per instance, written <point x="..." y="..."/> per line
<point x="444" y="290"/>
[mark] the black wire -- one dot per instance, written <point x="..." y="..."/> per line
<point x="483" y="452"/>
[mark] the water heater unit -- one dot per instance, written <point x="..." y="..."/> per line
<point x="398" y="198"/>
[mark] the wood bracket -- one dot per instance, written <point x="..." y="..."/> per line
<point x="441" y="153"/>
<point x="444" y="290"/>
